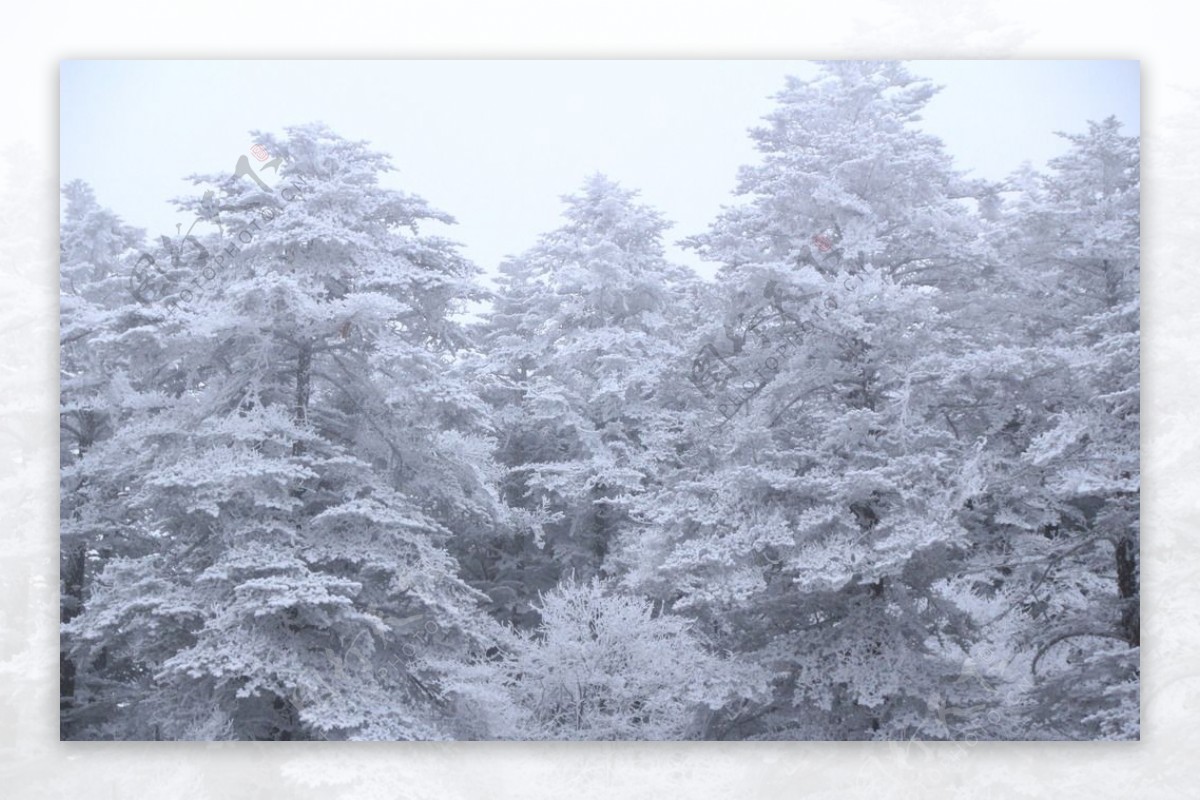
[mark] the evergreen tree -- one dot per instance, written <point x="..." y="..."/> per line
<point x="575" y="347"/>
<point x="816" y="517"/>
<point x="294" y="486"/>
<point x="98" y="322"/>
<point x="1072" y="492"/>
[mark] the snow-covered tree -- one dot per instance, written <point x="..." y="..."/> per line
<point x="99" y="322"/>
<point x="576" y="345"/>
<point x="294" y="483"/>
<point x="847" y="180"/>
<point x="1072" y="491"/>
<point x="600" y="666"/>
<point x="817" y="519"/>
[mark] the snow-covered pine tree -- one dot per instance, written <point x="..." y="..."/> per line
<point x="847" y="179"/>
<point x="98" y="319"/>
<point x="576" y="347"/>
<point x="812" y="529"/>
<point x="1071" y="491"/>
<point x="295" y="482"/>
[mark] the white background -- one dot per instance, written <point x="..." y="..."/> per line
<point x="34" y="38"/>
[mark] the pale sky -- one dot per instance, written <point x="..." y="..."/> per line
<point x="496" y="143"/>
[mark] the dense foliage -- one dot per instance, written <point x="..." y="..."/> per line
<point x="878" y="480"/>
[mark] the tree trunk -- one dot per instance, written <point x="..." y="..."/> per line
<point x="87" y="433"/>
<point x="1129" y="587"/>
<point x="303" y="390"/>
<point x="74" y="568"/>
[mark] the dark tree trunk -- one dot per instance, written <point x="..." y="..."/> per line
<point x="303" y="390"/>
<point x="87" y="432"/>
<point x="74" y="569"/>
<point x="1129" y="588"/>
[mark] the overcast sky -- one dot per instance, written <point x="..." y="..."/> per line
<point x="496" y="143"/>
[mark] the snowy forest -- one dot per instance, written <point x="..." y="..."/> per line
<point x="324" y="478"/>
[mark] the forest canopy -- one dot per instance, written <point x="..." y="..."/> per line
<point x="878" y="479"/>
